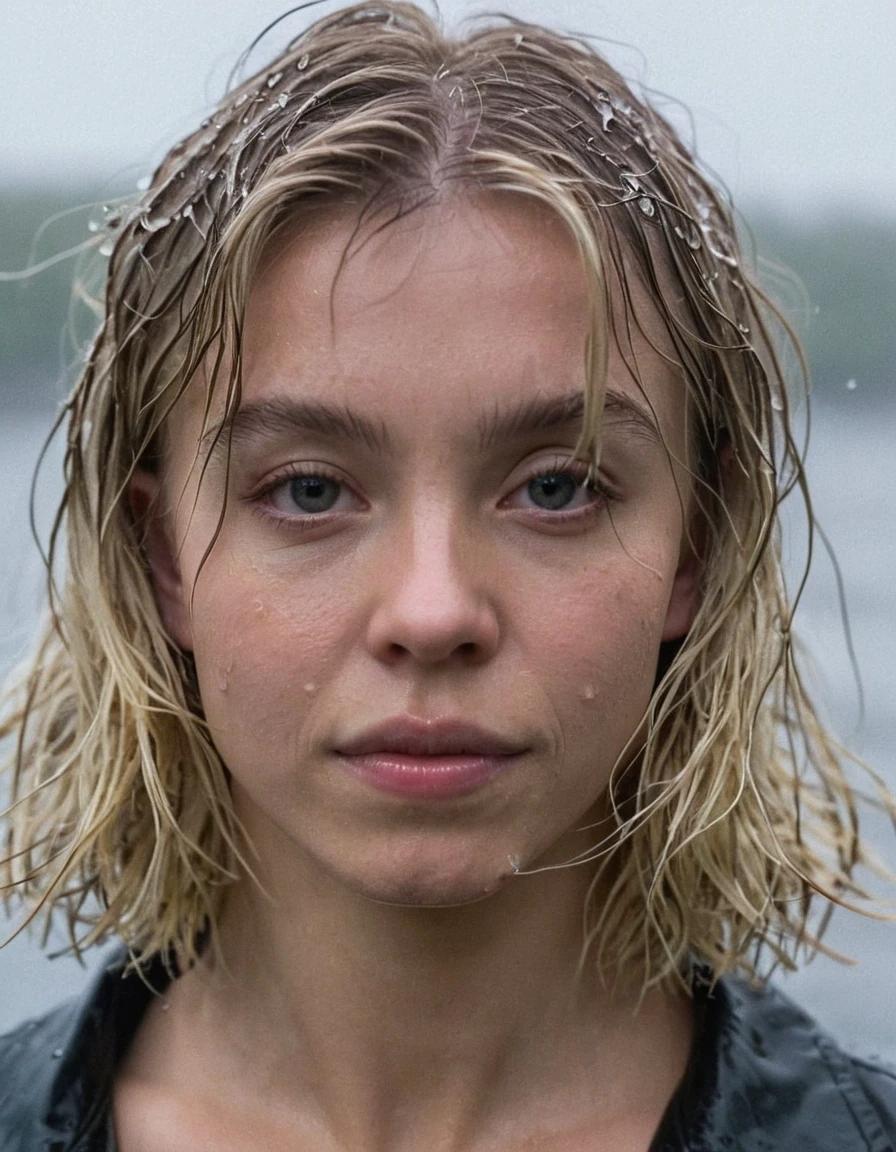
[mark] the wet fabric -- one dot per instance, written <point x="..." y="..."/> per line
<point x="762" y="1077"/>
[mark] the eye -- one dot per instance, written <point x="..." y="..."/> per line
<point x="312" y="493"/>
<point x="554" y="491"/>
<point x="309" y="494"/>
<point x="564" y="489"/>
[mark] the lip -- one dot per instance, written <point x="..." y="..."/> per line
<point x="435" y="759"/>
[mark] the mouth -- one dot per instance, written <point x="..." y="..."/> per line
<point x="432" y="759"/>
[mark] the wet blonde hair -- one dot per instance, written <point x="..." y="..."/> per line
<point x="737" y="813"/>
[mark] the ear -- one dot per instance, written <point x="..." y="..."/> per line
<point x="684" y="600"/>
<point x="154" y="527"/>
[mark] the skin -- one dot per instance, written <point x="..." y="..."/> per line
<point x="398" y="984"/>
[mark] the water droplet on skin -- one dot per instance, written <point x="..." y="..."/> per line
<point x="777" y="402"/>
<point x="224" y="671"/>
<point x="93" y="226"/>
<point x="106" y="248"/>
<point x="275" y="79"/>
<point x="303" y="63"/>
<point x="143" y="183"/>
<point x="851" y="385"/>
<point x="165" y="1006"/>
<point x="514" y="862"/>
<point x="310" y="689"/>
<point x="588" y="692"/>
<point x="57" y="1053"/>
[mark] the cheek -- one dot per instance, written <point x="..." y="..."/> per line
<point x="599" y="643"/>
<point x="263" y="649"/>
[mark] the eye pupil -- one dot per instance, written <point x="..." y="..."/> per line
<point x="313" y="493"/>
<point x="554" y="491"/>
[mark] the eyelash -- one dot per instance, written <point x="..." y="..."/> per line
<point x="581" y="473"/>
<point x="577" y="469"/>
<point x="261" y="500"/>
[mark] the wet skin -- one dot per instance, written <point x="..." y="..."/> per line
<point x="406" y="542"/>
<point x="427" y="554"/>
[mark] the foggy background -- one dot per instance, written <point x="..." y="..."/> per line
<point x="792" y="105"/>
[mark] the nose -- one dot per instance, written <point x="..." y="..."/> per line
<point x="433" y="603"/>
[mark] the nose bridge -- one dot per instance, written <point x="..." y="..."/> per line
<point x="434" y="600"/>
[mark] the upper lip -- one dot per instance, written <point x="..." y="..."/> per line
<point x="416" y="736"/>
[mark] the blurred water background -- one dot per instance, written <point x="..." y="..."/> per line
<point x="846" y="316"/>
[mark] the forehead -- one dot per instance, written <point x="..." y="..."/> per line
<point x="478" y="303"/>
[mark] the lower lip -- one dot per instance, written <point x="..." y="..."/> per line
<point x="430" y="777"/>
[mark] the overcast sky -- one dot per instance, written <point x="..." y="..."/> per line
<point x="793" y="100"/>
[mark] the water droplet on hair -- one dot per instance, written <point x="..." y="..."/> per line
<point x="514" y="862"/>
<point x="690" y="238"/>
<point x="647" y="206"/>
<point x="143" y="183"/>
<point x="241" y="100"/>
<point x="744" y="329"/>
<point x="310" y="688"/>
<point x="605" y="108"/>
<point x="851" y="384"/>
<point x="281" y="99"/>
<point x="274" y="79"/>
<point x="155" y="221"/>
<point x="518" y="39"/>
<point x="302" y="63"/>
<point x="188" y="211"/>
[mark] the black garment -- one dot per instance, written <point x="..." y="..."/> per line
<point x="763" y="1077"/>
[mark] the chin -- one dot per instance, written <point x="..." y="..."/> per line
<point x="437" y="884"/>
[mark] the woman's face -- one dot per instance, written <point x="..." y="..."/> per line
<point x="422" y="643"/>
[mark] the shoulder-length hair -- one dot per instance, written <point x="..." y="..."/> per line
<point x="736" y="812"/>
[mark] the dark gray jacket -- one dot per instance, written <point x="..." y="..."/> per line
<point x="762" y="1076"/>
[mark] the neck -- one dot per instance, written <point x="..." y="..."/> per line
<point x="400" y="1024"/>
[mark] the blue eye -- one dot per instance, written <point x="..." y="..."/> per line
<point x="554" y="491"/>
<point x="313" y="494"/>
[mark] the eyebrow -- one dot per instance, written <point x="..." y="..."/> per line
<point x="287" y="415"/>
<point x="547" y="415"/>
<point x="277" y="416"/>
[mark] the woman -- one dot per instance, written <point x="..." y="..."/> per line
<point x="413" y="707"/>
